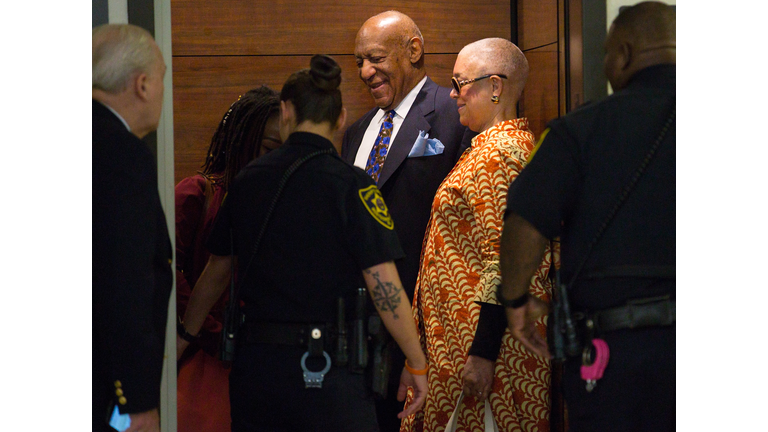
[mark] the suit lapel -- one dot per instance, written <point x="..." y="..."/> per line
<point x="357" y="138"/>
<point x="414" y="122"/>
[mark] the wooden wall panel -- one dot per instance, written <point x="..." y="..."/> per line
<point x="223" y="49"/>
<point x="537" y="23"/>
<point x="204" y="88"/>
<point x="540" y="98"/>
<point x="562" y="60"/>
<point x="296" y="27"/>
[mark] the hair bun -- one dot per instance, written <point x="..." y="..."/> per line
<point x="325" y="72"/>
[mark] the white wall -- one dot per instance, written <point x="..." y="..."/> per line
<point x="165" y="185"/>
<point x="118" y="11"/>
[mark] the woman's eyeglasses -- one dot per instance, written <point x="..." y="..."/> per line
<point x="457" y="85"/>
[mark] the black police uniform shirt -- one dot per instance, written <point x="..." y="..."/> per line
<point x="329" y="224"/>
<point x="584" y="161"/>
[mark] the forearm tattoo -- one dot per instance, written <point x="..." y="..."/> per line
<point x="386" y="295"/>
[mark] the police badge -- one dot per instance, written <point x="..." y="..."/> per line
<point x="374" y="203"/>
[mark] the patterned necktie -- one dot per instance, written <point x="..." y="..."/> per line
<point x="380" y="146"/>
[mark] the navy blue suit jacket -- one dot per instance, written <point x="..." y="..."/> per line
<point x="408" y="185"/>
<point x="131" y="271"/>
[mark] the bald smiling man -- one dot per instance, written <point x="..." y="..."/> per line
<point x="424" y="139"/>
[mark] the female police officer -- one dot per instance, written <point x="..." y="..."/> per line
<point x="328" y="225"/>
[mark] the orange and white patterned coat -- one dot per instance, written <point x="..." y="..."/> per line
<point x="460" y="267"/>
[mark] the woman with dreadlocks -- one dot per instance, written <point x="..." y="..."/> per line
<point x="248" y="130"/>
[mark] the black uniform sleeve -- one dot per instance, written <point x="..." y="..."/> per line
<point x="370" y="229"/>
<point x="546" y="189"/>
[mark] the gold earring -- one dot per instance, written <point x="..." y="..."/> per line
<point x="495" y="99"/>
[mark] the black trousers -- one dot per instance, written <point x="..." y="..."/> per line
<point x="267" y="393"/>
<point x="637" y="391"/>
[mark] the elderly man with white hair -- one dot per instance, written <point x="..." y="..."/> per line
<point x="461" y="321"/>
<point x="131" y="249"/>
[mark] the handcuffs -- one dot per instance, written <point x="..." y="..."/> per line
<point x="314" y="379"/>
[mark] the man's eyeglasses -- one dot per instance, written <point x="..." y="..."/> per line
<point x="457" y="85"/>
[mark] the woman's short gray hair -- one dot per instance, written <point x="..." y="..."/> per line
<point x="120" y="51"/>
<point x="499" y="56"/>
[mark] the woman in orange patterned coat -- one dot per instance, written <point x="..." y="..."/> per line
<point x="461" y="323"/>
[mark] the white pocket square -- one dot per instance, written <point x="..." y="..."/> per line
<point x="426" y="146"/>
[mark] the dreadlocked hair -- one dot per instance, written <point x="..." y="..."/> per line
<point x="237" y="140"/>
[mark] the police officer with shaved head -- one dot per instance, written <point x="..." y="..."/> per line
<point x="603" y="180"/>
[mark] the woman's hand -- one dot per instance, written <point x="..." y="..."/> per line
<point x="419" y="385"/>
<point x="478" y="377"/>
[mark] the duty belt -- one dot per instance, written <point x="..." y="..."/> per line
<point x="293" y="334"/>
<point x="648" y="312"/>
<point x="639" y="313"/>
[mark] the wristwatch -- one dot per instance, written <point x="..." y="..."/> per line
<point x="183" y="333"/>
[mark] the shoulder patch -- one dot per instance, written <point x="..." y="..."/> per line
<point x="538" y="144"/>
<point x="374" y="203"/>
